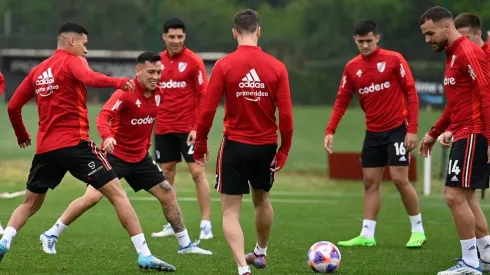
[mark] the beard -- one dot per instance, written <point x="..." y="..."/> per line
<point x="439" y="47"/>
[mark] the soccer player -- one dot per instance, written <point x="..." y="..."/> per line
<point x="183" y="82"/>
<point x="125" y="125"/>
<point x="63" y="142"/>
<point x="469" y="25"/>
<point x="254" y="84"/>
<point x="467" y="87"/>
<point x="386" y="89"/>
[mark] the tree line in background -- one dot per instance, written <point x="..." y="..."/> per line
<point x="312" y="37"/>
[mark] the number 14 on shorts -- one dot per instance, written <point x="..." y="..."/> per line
<point x="453" y="169"/>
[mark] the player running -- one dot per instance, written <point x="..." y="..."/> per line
<point x="254" y="84"/>
<point x="386" y="89"/>
<point x="125" y="125"/>
<point x="63" y="142"/>
<point x="467" y="87"/>
<point x="469" y="25"/>
<point x="183" y="83"/>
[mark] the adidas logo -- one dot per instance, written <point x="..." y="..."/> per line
<point x="403" y="158"/>
<point x="487" y="246"/>
<point x="454" y="178"/>
<point x="472" y="248"/>
<point x="45" y="78"/>
<point x="251" y="80"/>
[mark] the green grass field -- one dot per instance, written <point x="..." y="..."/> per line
<point x="97" y="244"/>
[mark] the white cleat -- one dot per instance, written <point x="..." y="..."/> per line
<point x="1" y="229"/>
<point x="167" y="231"/>
<point x="206" y="233"/>
<point x="192" y="248"/>
<point x="485" y="266"/>
<point x="461" y="268"/>
<point x="48" y="243"/>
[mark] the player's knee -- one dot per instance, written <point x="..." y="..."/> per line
<point x="198" y="174"/>
<point x="33" y="202"/>
<point x="92" y="199"/>
<point x="400" y="181"/>
<point x="454" y="198"/>
<point x="261" y="199"/>
<point x="371" y="184"/>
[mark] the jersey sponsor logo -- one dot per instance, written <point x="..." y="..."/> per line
<point x="374" y="88"/>
<point x="449" y="81"/>
<point x="46" y="78"/>
<point x="248" y="94"/>
<point x="142" y="121"/>
<point x="172" y="84"/>
<point x="251" y="80"/>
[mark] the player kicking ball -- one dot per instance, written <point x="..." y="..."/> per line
<point x="125" y="124"/>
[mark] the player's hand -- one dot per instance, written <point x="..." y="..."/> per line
<point x="274" y="167"/>
<point x="191" y="137"/>
<point x="425" y="147"/>
<point x="204" y="161"/>
<point x="410" y="141"/>
<point x="129" y="86"/>
<point x="488" y="154"/>
<point x="109" y="144"/>
<point x="25" y="143"/>
<point x="445" y="139"/>
<point x="328" y="143"/>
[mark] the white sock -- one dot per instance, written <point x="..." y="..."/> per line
<point x="243" y="269"/>
<point x="183" y="238"/>
<point x="57" y="229"/>
<point x="470" y="255"/>
<point x="484" y="248"/>
<point x="205" y="223"/>
<point x="416" y="222"/>
<point x="8" y="235"/>
<point x="260" y="251"/>
<point x="140" y="244"/>
<point x="368" y="228"/>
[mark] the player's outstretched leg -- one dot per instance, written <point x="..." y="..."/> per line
<point x="372" y="204"/>
<point x="264" y="217"/>
<point x="169" y="169"/>
<point x="481" y="232"/>
<point x="76" y="208"/>
<point x="114" y="192"/>
<point x="456" y="199"/>
<point x="203" y="198"/>
<point x="399" y="175"/>
<point x="31" y="204"/>
<point x="171" y="210"/>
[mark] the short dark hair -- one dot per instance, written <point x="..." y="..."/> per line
<point x="435" y="14"/>
<point x="151" y="57"/>
<point x="173" y="23"/>
<point x="364" y="27"/>
<point x="72" y="27"/>
<point x="246" y="21"/>
<point x="467" y="20"/>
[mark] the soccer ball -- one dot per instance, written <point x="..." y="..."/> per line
<point x="324" y="257"/>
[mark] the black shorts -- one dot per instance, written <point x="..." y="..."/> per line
<point x="468" y="167"/>
<point x="140" y="175"/>
<point x="240" y="163"/>
<point x="172" y="146"/>
<point x="84" y="161"/>
<point x="385" y="148"/>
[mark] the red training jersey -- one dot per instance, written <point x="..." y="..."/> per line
<point x="58" y="83"/>
<point x="467" y="87"/>
<point x="253" y="83"/>
<point x="129" y="119"/>
<point x="386" y="90"/>
<point x="2" y="84"/>
<point x="183" y="83"/>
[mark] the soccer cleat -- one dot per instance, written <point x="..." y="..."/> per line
<point x="461" y="268"/>
<point x="206" y="233"/>
<point x="358" y="241"/>
<point x="48" y="243"/>
<point x="259" y="261"/>
<point x="416" y="240"/>
<point x="1" y="229"/>
<point x="3" y="249"/>
<point x="167" y="231"/>
<point x="485" y="266"/>
<point x="151" y="262"/>
<point x="192" y="248"/>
